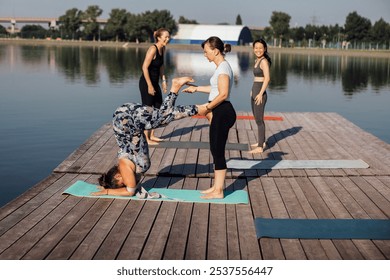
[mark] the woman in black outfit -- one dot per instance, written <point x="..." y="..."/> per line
<point x="152" y="70"/>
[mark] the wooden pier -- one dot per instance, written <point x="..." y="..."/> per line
<point x="43" y="223"/>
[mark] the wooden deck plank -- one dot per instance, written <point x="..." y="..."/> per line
<point x="66" y="247"/>
<point x="86" y="157"/>
<point x="189" y="169"/>
<point x="198" y="233"/>
<point x="28" y="195"/>
<point x="91" y="243"/>
<point x="44" y="246"/>
<point x="82" y="149"/>
<point x="177" y="240"/>
<point x="112" y="244"/>
<point x="178" y="163"/>
<point x="33" y="208"/>
<point x="17" y="241"/>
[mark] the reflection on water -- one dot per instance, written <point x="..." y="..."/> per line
<point x="121" y="64"/>
<point x="54" y="97"/>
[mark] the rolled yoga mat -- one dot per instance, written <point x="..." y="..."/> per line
<point x="84" y="189"/>
<point x="295" y="164"/>
<point x="323" y="228"/>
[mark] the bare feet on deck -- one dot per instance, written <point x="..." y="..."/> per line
<point x="177" y="83"/>
<point x="258" y="150"/>
<point x="213" y="195"/>
<point x="210" y="190"/>
<point x="151" y="142"/>
<point x="156" y="139"/>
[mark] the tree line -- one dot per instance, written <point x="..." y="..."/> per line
<point x="125" y="26"/>
<point x="357" y="31"/>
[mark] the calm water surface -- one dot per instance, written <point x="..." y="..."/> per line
<point x="53" y="98"/>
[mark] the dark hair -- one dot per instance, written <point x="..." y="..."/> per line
<point x="216" y="43"/>
<point x="159" y="32"/>
<point x="108" y="180"/>
<point x="264" y="43"/>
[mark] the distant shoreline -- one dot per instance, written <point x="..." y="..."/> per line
<point x="303" y="51"/>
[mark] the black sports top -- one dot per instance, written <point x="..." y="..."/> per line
<point x="155" y="65"/>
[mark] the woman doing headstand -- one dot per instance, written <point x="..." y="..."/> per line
<point x="129" y="122"/>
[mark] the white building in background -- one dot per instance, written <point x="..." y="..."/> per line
<point x="195" y="64"/>
<point x="197" y="33"/>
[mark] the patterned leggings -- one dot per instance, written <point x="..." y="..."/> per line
<point x="131" y="119"/>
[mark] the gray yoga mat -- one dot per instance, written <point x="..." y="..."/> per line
<point x="197" y="145"/>
<point x="295" y="164"/>
<point x="323" y="228"/>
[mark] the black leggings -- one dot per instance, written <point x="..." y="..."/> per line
<point x="224" y="117"/>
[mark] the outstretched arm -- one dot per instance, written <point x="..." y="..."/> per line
<point x="116" y="192"/>
<point x="193" y="88"/>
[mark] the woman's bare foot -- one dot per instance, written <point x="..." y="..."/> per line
<point x="258" y="150"/>
<point x="156" y="139"/>
<point x="151" y="142"/>
<point x="255" y="145"/>
<point x="210" y="190"/>
<point x="177" y="83"/>
<point x="213" y="195"/>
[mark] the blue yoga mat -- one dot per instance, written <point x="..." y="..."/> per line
<point x="83" y="189"/>
<point x="323" y="228"/>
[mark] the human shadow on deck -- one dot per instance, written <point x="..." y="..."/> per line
<point x="252" y="174"/>
<point x="183" y="131"/>
<point x="273" y="139"/>
<point x="193" y="170"/>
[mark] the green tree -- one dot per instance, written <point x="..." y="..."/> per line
<point x="116" y="23"/>
<point x="71" y="21"/>
<point x="280" y="23"/>
<point x="268" y="34"/>
<point x="3" y="31"/>
<point x="91" y="27"/>
<point x="134" y="28"/>
<point x="158" y="19"/>
<point x="183" y="20"/>
<point x="33" y="31"/>
<point x="380" y="31"/>
<point x="357" y="28"/>
<point x="238" y="20"/>
<point x="298" y="34"/>
<point x="335" y="33"/>
<point x="312" y="32"/>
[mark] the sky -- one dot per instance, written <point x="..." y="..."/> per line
<point x="254" y="13"/>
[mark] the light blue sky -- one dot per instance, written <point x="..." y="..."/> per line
<point x="253" y="12"/>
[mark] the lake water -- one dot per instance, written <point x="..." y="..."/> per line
<point x="52" y="98"/>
